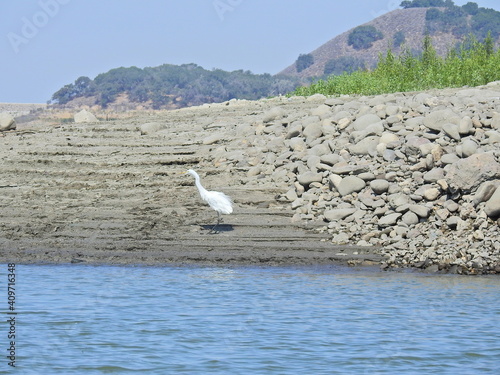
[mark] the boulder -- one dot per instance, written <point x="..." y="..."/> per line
<point x="307" y="178"/>
<point x="389" y="220"/>
<point x="150" y="128"/>
<point x="379" y="186"/>
<point x="492" y="208"/>
<point x="338" y="213"/>
<point x="351" y="184"/>
<point x="7" y="122"/>
<point x="84" y="116"/>
<point x="313" y="131"/>
<point x="364" y="121"/>
<point x="468" y="174"/>
<point x="436" y="119"/>
<point x="273" y="114"/>
<point x="367" y="146"/>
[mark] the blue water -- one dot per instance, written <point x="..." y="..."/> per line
<point x="75" y="319"/>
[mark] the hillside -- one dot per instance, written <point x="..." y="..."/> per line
<point x="410" y="26"/>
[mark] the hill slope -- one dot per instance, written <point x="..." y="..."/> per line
<point x="411" y="22"/>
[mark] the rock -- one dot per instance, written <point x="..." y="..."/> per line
<point x="313" y="131"/>
<point x="307" y="178"/>
<point x="84" y="116"/>
<point x="388" y="138"/>
<point x="212" y="139"/>
<point x="350" y="184"/>
<point x="451" y="130"/>
<point x="330" y="159"/>
<point x="436" y="119"/>
<point x="338" y="213"/>
<point x="410" y="218"/>
<point x="364" y="121"/>
<point x="467" y="174"/>
<point x="273" y="114"/>
<point x="484" y="192"/>
<point x="492" y="208"/>
<point x="150" y="128"/>
<point x="334" y="181"/>
<point x="449" y="158"/>
<point x="367" y="146"/>
<point x="469" y="148"/>
<point x="379" y="186"/>
<point x="389" y="220"/>
<point x="434" y="175"/>
<point x="7" y="121"/>
<point x="421" y="211"/>
<point x="465" y="127"/>
<point x="431" y="194"/>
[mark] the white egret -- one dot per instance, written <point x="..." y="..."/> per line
<point x="220" y="202"/>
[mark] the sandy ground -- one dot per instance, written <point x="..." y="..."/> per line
<point x="103" y="193"/>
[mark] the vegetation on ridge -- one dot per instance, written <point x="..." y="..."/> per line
<point x="174" y="86"/>
<point x="474" y="63"/>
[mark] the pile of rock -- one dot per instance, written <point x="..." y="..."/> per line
<point x="416" y="173"/>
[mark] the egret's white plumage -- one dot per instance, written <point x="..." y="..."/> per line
<point x="220" y="202"/>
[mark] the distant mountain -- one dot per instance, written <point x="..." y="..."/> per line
<point x="401" y="29"/>
<point x="169" y="87"/>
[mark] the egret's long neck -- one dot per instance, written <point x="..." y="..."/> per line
<point x="197" y="182"/>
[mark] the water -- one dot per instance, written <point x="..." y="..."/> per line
<point x="146" y="320"/>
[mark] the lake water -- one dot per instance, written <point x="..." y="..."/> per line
<point x="75" y="319"/>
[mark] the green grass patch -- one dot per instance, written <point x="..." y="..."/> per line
<point x="474" y="63"/>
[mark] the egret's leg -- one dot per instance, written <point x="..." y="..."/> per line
<point x="215" y="226"/>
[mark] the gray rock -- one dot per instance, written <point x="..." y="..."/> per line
<point x="449" y="158"/>
<point x="410" y="218"/>
<point x="150" y="128"/>
<point x="212" y="139"/>
<point x="379" y="186"/>
<point x="338" y="213"/>
<point x="421" y="211"/>
<point x="330" y="159"/>
<point x="7" y="121"/>
<point x="451" y="130"/>
<point x="307" y="178"/>
<point x="493" y="136"/>
<point x="484" y="192"/>
<point x="434" y="175"/>
<point x="84" y="116"/>
<point x="467" y="174"/>
<point x="313" y="131"/>
<point x="435" y="120"/>
<point x="389" y="220"/>
<point x="273" y="114"/>
<point x="432" y="194"/>
<point x="465" y="127"/>
<point x="492" y="208"/>
<point x="364" y="121"/>
<point x="350" y="184"/>
<point x="469" y="148"/>
<point x="367" y="146"/>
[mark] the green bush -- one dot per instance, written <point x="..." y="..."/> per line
<point x="304" y="62"/>
<point x="362" y="37"/>
<point x="474" y="63"/>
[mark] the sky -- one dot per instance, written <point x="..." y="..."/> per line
<point x="46" y="44"/>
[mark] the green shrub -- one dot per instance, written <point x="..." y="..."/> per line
<point x="474" y="63"/>
<point x="362" y="37"/>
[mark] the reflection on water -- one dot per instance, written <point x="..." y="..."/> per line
<point x="92" y="320"/>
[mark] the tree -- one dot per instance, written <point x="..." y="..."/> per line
<point x="304" y="62"/>
<point x="343" y="64"/>
<point x="471" y="8"/>
<point x="399" y="39"/>
<point x="363" y="37"/>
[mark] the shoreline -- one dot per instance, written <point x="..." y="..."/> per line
<point x="310" y="177"/>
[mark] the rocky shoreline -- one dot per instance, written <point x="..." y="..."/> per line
<point x="400" y="180"/>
